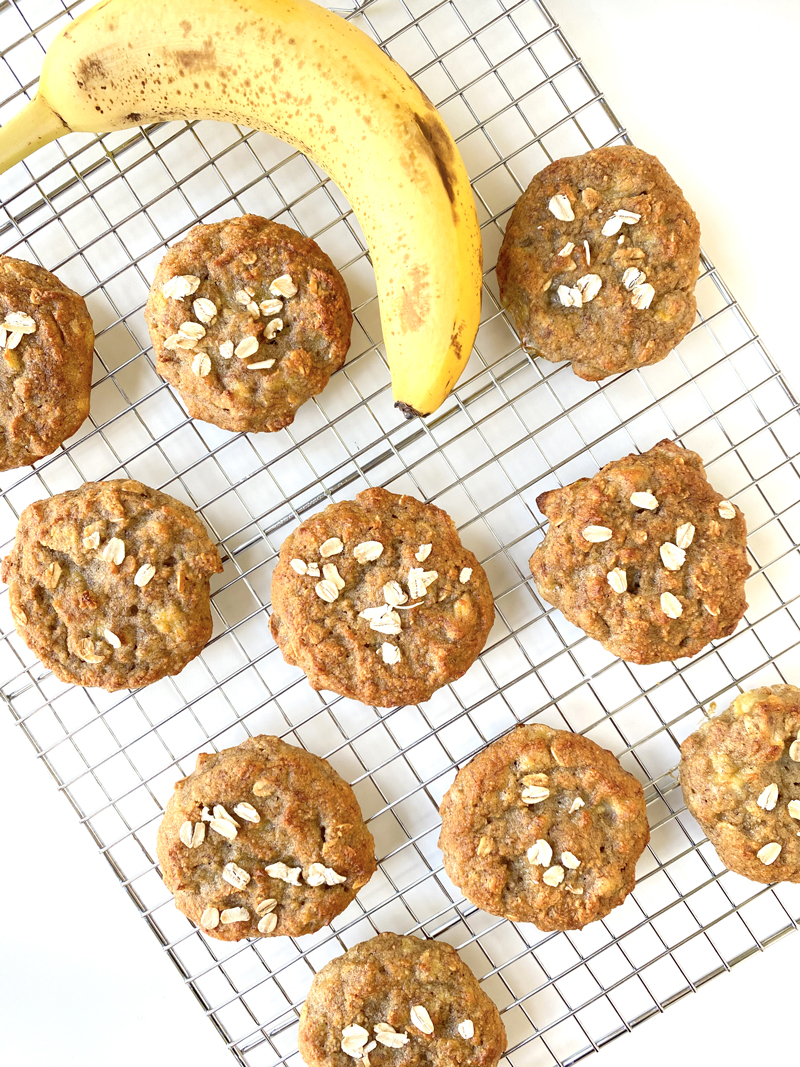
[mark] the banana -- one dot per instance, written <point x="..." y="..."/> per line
<point x="297" y="71"/>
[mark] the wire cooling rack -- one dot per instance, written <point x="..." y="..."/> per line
<point x="100" y="212"/>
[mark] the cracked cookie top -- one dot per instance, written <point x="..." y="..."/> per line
<point x="264" y="839"/>
<point x="377" y="599"/>
<point x="544" y="826"/>
<point x="249" y="319"/>
<point x="109" y="584"/>
<point x="599" y="262"/>
<point x="645" y="557"/>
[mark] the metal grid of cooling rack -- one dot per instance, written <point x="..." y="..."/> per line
<point x="100" y="212"/>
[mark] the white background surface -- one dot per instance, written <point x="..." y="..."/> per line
<point x="710" y="86"/>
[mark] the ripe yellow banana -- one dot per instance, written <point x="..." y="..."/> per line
<point x="295" y="70"/>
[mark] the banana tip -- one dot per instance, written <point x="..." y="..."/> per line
<point x="407" y="410"/>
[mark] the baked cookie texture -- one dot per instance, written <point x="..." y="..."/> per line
<point x="109" y="584"/>
<point x="264" y="839"/>
<point x="544" y="826"/>
<point x="377" y="599"/>
<point x="249" y="319"/>
<point x="740" y="775"/>
<point x="403" y="1002"/>
<point x="599" y="262"/>
<point x="645" y="557"/>
<point x="46" y="369"/>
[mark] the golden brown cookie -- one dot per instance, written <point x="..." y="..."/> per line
<point x="646" y="557"/>
<point x="377" y="599"/>
<point x="248" y="320"/>
<point x="740" y="775"/>
<point x="402" y="1002"/>
<point x="544" y="826"/>
<point x="264" y="839"/>
<point x="109" y="584"/>
<point x="46" y="369"/>
<point x="599" y="262"/>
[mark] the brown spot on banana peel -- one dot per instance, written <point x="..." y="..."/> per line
<point x="416" y="303"/>
<point x="204" y="58"/>
<point x="442" y="151"/>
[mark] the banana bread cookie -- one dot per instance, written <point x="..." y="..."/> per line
<point x="46" y="369"/>
<point x="645" y="557"/>
<point x="740" y="775"/>
<point x="109" y="584"/>
<point x="599" y="262"/>
<point x="377" y="599"/>
<point x="544" y="826"/>
<point x="263" y="839"/>
<point x="397" y="1001"/>
<point x="248" y="320"/>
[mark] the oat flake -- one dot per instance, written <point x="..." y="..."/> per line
<point x="283" y="286"/>
<point x="235" y="875"/>
<point x="769" y="853"/>
<point x="247" y="347"/>
<point x="642" y="296"/>
<point x="267" y="923"/>
<point x="205" y="310"/>
<point x="225" y="828"/>
<point x="794" y="751"/>
<point x="247" y="812"/>
<point x="327" y="591"/>
<point x="671" y="606"/>
<point x="332" y="547"/>
<point x="672" y="557"/>
<point x="560" y="206"/>
<point x="644" y="500"/>
<point x="421" y="1019"/>
<point x="299" y="565"/>
<point x="393" y="594"/>
<point x="633" y="277"/>
<point x="618" y="580"/>
<point x="577" y="804"/>
<point x="234" y="915"/>
<point x="570" y="861"/>
<point x="768" y="797"/>
<point x="596" y="534"/>
<point x="390" y="654"/>
<point x="112" y="639"/>
<point x="210" y="919"/>
<point x="144" y="575"/>
<point x="569" y="296"/>
<point x="589" y="286"/>
<point x="114" y="552"/>
<point x="466" y="1029"/>
<point x="540" y="853"/>
<point x="368" y="551"/>
<point x="726" y="510"/>
<point x="553" y="876"/>
<point x="793" y="807"/>
<point x="684" y="535"/>
<point x="179" y="286"/>
<point x="535" y="794"/>
<point x="331" y="573"/>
